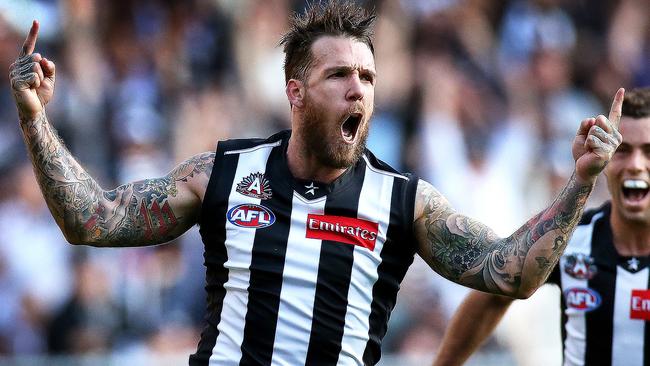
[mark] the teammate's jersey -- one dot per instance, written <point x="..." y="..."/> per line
<point x="605" y="298"/>
<point x="300" y="272"/>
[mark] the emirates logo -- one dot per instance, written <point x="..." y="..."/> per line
<point x="640" y="305"/>
<point x="341" y="229"/>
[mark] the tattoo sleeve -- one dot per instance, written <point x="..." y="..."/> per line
<point x="146" y="212"/>
<point x="468" y="252"/>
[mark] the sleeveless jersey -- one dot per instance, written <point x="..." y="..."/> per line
<point x="605" y="298"/>
<point x="300" y="272"/>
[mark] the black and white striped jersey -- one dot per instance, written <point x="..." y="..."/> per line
<point x="300" y="272"/>
<point x="605" y="298"/>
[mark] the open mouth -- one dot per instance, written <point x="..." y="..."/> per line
<point x="350" y="126"/>
<point x="635" y="190"/>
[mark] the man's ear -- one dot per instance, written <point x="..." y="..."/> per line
<point x="295" y="92"/>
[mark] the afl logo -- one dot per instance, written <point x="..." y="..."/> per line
<point x="582" y="299"/>
<point x="250" y="215"/>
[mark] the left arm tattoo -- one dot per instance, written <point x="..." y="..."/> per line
<point x="470" y="253"/>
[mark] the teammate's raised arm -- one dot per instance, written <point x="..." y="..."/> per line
<point x="471" y="325"/>
<point x="469" y="253"/>
<point x="148" y="212"/>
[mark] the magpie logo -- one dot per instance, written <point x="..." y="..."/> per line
<point x="580" y="266"/>
<point x="255" y="185"/>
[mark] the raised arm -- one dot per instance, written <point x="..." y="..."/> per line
<point x="467" y="252"/>
<point x="471" y="325"/>
<point x="147" y="212"/>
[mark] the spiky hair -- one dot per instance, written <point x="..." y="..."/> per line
<point x="636" y="103"/>
<point x="330" y="18"/>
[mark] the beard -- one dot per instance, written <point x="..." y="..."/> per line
<point x="324" y="139"/>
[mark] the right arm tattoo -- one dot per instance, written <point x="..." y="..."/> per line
<point x="146" y="212"/>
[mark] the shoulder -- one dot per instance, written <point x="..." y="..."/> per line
<point x="428" y="200"/>
<point x="237" y="146"/>
<point x="378" y="166"/>
<point x="583" y="235"/>
<point x="405" y="186"/>
<point x="215" y="162"/>
<point x="194" y="172"/>
<point x="591" y="214"/>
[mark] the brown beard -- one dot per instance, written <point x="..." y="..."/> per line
<point x="325" y="141"/>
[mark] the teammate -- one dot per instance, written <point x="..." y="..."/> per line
<point x="604" y="273"/>
<point x="307" y="235"/>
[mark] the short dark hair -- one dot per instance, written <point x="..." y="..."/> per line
<point x="636" y="103"/>
<point x="330" y="18"/>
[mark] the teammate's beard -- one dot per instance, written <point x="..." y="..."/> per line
<point x="324" y="139"/>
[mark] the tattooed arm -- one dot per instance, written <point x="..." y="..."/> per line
<point x="469" y="253"/>
<point x="146" y="212"/>
<point x="142" y="213"/>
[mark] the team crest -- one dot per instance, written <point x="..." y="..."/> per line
<point x="255" y="185"/>
<point x="580" y="266"/>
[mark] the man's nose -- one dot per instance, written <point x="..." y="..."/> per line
<point x="636" y="162"/>
<point x="355" y="90"/>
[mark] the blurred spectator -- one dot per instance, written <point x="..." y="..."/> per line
<point x="10" y="139"/>
<point x="89" y="321"/>
<point x="35" y="272"/>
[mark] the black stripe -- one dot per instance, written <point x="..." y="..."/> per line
<point x="267" y="265"/>
<point x="213" y="232"/>
<point x="333" y="281"/>
<point x="600" y="322"/>
<point x="396" y="257"/>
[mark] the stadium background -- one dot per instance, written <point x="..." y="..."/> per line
<point x="480" y="97"/>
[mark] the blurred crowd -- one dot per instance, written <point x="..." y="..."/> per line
<point x="480" y="97"/>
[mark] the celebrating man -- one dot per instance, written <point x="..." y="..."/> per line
<point x="307" y="235"/>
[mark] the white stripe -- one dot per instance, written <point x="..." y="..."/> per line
<point x="254" y="148"/>
<point x="374" y="206"/>
<point x="377" y="170"/>
<point x="627" y="335"/>
<point x="575" y="344"/>
<point x="298" y="288"/>
<point x="239" y="246"/>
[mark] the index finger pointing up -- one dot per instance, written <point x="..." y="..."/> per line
<point x="30" y="41"/>
<point x="617" y="106"/>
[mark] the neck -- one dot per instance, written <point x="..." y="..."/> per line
<point x="631" y="238"/>
<point x="303" y="164"/>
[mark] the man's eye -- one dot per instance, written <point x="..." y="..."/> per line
<point x="621" y="151"/>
